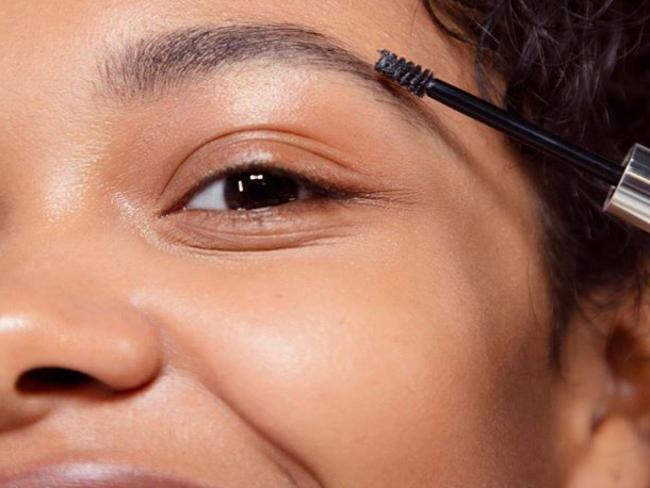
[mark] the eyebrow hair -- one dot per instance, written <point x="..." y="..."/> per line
<point x="153" y="66"/>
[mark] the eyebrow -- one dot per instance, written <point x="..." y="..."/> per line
<point x="164" y="62"/>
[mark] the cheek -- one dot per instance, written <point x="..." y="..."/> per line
<point x="353" y="354"/>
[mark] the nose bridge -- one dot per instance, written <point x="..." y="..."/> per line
<point x="52" y="142"/>
<point x="81" y="256"/>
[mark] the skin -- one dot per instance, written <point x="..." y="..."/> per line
<point x="400" y="338"/>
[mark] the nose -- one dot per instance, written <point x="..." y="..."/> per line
<point x="57" y="346"/>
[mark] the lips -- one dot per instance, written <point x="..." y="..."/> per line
<point x="94" y="475"/>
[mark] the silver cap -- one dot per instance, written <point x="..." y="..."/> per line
<point x="630" y="200"/>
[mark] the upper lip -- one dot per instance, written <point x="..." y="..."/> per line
<point x="94" y="475"/>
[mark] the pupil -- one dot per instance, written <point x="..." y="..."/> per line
<point x="251" y="190"/>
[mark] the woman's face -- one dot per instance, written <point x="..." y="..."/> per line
<point x="382" y="326"/>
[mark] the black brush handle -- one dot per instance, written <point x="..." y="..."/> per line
<point x="523" y="131"/>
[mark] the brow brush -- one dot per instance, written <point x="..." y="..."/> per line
<point x="629" y="195"/>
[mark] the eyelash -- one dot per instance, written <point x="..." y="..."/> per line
<point x="317" y="188"/>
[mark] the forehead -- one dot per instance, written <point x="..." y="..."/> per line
<point x="358" y="16"/>
<point x="74" y="34"/>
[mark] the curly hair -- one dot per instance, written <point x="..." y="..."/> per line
<point x="581" y="69"/>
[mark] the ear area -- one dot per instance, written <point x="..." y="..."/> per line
<point x="607" y="390"/>
<point x="617" y="457"/>
<point x="628" y="358"/>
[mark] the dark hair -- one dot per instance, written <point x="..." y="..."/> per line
<point x="581" y="69"/>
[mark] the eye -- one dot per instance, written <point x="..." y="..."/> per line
<point x="261" y="195"/>
<point x="253" y="188"/>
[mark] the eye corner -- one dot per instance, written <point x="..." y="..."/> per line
<point x="178" y="207"/>
<point x="179" y="204"/>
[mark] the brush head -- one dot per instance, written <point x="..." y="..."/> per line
<point x="407" y="74"/>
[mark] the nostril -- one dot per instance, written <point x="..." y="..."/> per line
<point x="42" y="380"/>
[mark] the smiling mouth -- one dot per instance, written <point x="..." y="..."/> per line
<point x="94" y="475"/>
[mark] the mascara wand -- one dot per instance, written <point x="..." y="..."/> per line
<point x="629" y="197"/>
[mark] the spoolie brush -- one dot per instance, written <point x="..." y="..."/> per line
<point x="407" y="74"/>
<point x="629" y="197"/>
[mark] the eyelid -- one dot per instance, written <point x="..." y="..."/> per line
<point x="238" y="152"/>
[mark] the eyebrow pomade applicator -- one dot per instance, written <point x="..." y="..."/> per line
<point x="629" y="196"/>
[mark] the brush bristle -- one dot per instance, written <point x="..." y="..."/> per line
<point x="407" y="74"/>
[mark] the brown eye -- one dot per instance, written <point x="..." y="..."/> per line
<point x="248" y="190"/>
